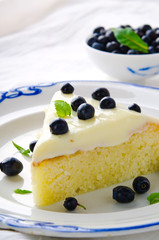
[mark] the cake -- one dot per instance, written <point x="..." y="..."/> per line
<point x="114" y="144"/>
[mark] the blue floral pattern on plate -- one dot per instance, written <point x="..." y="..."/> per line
<point x="23" y="91"/>
<point x="14" y="222"/>
<point x="146" y="71"/>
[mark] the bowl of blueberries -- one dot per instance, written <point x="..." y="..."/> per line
<point x="125" y="53"/>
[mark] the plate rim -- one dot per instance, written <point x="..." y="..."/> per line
<point x="37" y="87"/>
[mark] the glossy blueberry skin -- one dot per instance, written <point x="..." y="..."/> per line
<point x="90" y="41"/>
<point x="58" y="126"/>
<point x="111" y="46"/>
<point x="151" y="49"/>
<point x="125" y="26"/>
<point x="157" y="48"/>
<point x="124" y="48"/>
<point x="110" y="35"/>
<point x="132" y="52"/>
<point x="116" y="51"/>
<point x="99" y="30"/>
<point x="93" y="38"/>
<point x="123" y="194"/>
<point x="107" y="103"/>
<point x="67" y="88"/>
<point x="100" y="93"/>
<point x="141" y="184"/>
<point x="99" y="46"/>
<point x="70" y="203"/>
<point x="76" y="102"/>
<point x="32" y="145"/>
<point x="155" y="42"/>
<point x="102" y="39"/>
<point x="11" y="166"/>
<point x="85" y="111"/>
<point x="135" y="107"/>
<point x="146" y="39"/>
<point x="151" y="34"/>
<point x="139" y="32"/>
<point x="145" y="27"/>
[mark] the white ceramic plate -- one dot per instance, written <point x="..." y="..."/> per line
<point x="22" y="113"/>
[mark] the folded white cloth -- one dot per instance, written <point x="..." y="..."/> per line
<point x="17" y="14"/>
<point x="53" y="48"/>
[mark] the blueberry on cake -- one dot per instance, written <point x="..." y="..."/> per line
<point x="91" y="143"/>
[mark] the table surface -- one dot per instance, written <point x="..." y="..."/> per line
<point x="43" y="41"/>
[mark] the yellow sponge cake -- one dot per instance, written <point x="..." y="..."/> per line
<point x="90" y="145"/>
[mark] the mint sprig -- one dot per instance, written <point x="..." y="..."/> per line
<point x="128" y="37"/>
<point x="63" y="109"/>
<point x="21" y="191"/>
<point x="153" y="198"/>
<point x="23" y="151"/>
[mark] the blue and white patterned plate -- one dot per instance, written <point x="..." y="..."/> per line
<point x="21" y="115"/>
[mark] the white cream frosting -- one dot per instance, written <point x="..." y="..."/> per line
<point x="106" y="128"/>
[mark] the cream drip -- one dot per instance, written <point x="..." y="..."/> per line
<point x="107" y="128"/>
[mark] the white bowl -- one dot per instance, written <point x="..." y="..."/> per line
<point x="125" y="67"/>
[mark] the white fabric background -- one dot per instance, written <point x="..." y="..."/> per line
<point x="43" y="41"/>
<point x="53" y="47"/>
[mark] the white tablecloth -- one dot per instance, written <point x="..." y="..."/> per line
<point x="43" y="41"/>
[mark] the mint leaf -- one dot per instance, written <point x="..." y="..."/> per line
<point x="153" y="198"/>
<point x="22" y="150"/>
<point x="63" y="109"/>
<point x="20" y="191"/>
<point x="128" y="37"/>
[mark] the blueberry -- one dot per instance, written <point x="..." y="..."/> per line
<point x="32" y="145"/>
<point x="132" y="52"/>
<point x="124" y="48"/>
<point x="122" y="26"/>
<point x="135" y="108"/>
<point x="11" y="166"/>
<point x="85" y="111"/>
<point x="139" y="32"/>
<point x="155" y="42"/>
<point x="67" y="88"/>
<point x="145" y="27"/>
<point x="128" y="26"/>
<point x="151" y="34"/>
<point x="146" y="39"/>
<point x="125" y="26"/>
<point x="116" y="51"/>
<point x="157" y="32"/>
<point x="157" y="49"/>
<point x="99" y="30"/>
<point x="91" y="40"/>
<point x="110" y="35"/>
<point x="151" y="49"/>
<point x="70" y="203"/>
<point x="107" y="103"/>
<point x="111" y="46"/>
<point x="76" y="102"/>
<point x="103" y="39"/>
<point x="141" y="184"/>
<point x="123" y="194"/>
<point x="99" y="46"/>
<point x="100" y="93"/>
<point x="58" y="126"/>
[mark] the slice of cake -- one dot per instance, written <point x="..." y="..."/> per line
<point x="96" y="144"/>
